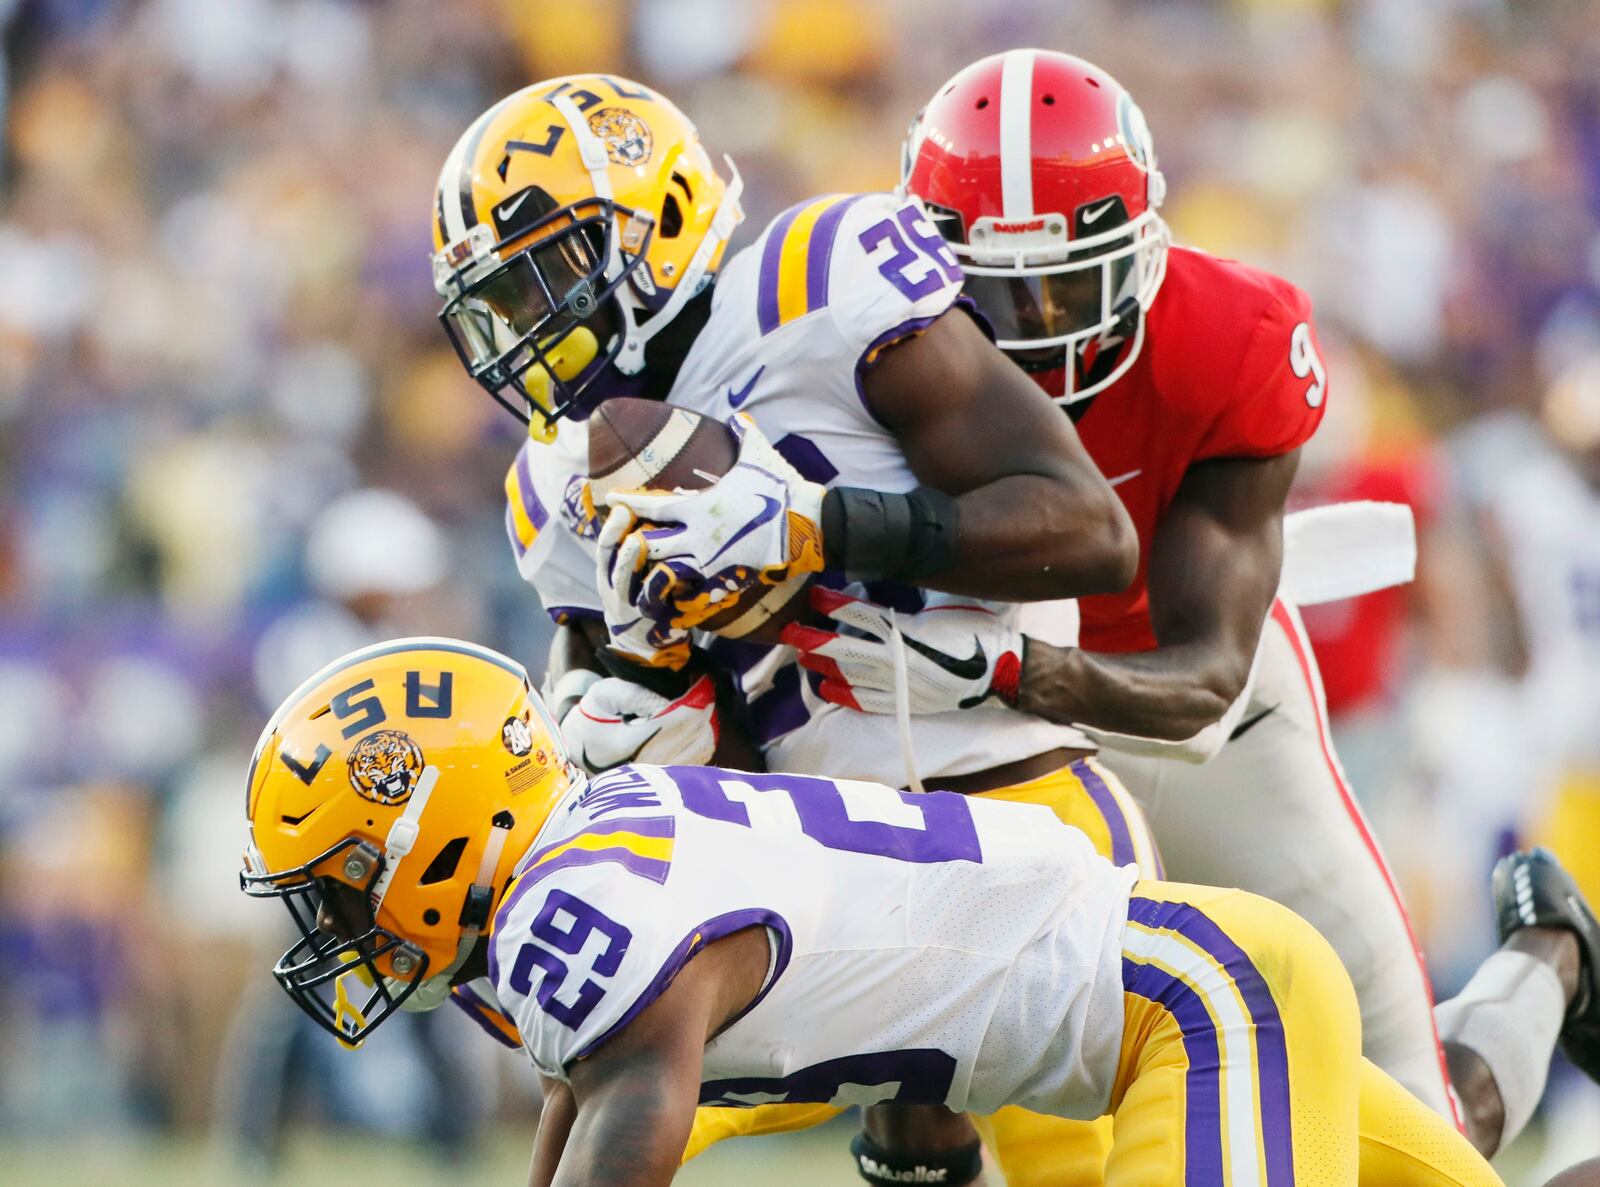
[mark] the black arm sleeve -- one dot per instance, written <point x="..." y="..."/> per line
<point x="874" y="535"/>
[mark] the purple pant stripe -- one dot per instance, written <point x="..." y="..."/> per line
<point x="819" y="252"/>
<point x="1202" y="1130"/>
<point x="1116" y="823"/>
<point x="530" y="501"/>
<point x="767" y="279"/>
<point x="1272" y="1053"/>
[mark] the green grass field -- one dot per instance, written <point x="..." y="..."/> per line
<point x="816" y="1158"/>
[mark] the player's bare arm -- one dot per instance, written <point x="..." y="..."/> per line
<point x="555" y="1123"/>
<point x="1037" y="519"/>
<point x="575" y="646"/>
<point x="1214" y="567"/>
<point x="633" y="1099"/>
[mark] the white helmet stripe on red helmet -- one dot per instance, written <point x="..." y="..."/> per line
<point x="1016" y="134"/>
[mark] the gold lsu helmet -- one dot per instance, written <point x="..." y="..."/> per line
<point x="389" y="801"/>
<point x="572" y="222"/>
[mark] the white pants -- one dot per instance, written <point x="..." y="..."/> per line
<point x="1272" y="814"/>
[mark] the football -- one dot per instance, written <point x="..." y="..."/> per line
<point x="648" y="445"/>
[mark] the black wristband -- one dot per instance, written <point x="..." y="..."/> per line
<point x="874" y="535"/>
<point x="950" y="1168"/>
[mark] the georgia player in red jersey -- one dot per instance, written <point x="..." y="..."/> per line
<point x="1193" y="382"/>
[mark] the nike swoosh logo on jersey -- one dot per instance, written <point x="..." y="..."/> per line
<point x="509" y="207"/>
<point x="1090" y="216"/>
<point x="736" y="398"/>
<point x="971" y="668"/>
<point x="1249" y="722"/>
<point x="1121" y="478"/>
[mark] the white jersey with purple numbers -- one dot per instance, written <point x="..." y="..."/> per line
<point x="795" y="319"/>
<point x="924" y="948"/>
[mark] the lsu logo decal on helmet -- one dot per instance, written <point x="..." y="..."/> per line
<point x="625" y="135"/>
<point x="517" y="736"/>
<point x="385" y="766"/>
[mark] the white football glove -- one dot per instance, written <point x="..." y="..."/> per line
<point x="958" y="654"/>
<point x="619" y="575"/>
<point x="618" y="721"/>
<point x="757" y="525"/>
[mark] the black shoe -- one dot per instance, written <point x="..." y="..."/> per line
<point x="1532" y="890"/>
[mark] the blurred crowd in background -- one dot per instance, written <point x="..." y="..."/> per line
<point x="234" y="442"/>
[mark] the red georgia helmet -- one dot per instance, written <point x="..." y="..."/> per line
<point x="1039" y="169"/>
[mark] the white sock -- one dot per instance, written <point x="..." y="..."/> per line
<point x="1509" y="1015"/>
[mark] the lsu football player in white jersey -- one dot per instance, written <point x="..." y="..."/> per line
<point x="658" y="938"/>
<point x="578" y="226"/>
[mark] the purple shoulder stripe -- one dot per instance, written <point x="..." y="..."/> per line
<point x="819" y="253"/>
<point x="654" y="868"/>
<point x="691" y="946"/>
<point x="646" y="826"/>
<point x="767" y="278"/>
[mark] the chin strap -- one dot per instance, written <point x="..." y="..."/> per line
<point x="403" y="835"/>
<point x="591" y="150"/>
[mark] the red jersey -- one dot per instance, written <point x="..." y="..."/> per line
<point x="1229" y="369"/>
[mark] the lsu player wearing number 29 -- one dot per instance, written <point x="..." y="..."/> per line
<point x="662" y="937"/>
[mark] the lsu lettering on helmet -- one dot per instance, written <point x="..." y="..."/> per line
<point x="572" y="221"/>
<point x="389" y="800"/>
<point x="1039" y="169"/>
